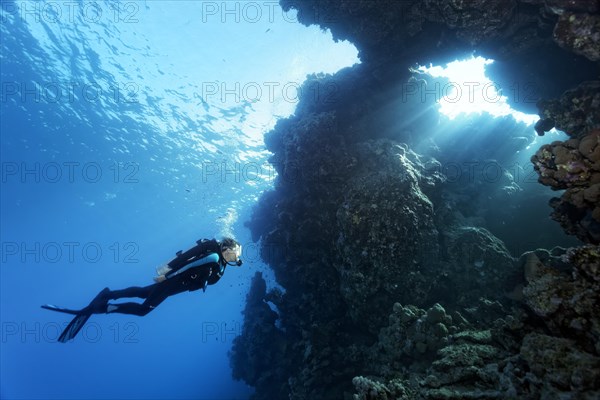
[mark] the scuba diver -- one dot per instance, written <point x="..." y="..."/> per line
<point x="202" y="265"/>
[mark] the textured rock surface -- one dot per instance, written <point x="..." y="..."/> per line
<point x="574" y="165"/>
<point x="568" y="301"/>
<point x="557" y="365"/>
<point x="384" y="215"/>
<point x="261" y="346"/>
<point x="486" y="352"/>
<point x="579" y="33"/>
<point x="576" y="112"/>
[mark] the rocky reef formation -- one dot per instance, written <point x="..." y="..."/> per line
<point x="546" y="350"/>
<point x="574" y="165"/>
<point x="392" y="282"/>
<point x="261" y="346"/>
<point x="580" y="32"/>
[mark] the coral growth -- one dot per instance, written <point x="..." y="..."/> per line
<point x="574" y="165"/>
<point x="576" y="112"/>
<point x="260" y="332"/>
<point x="579" y="33"/>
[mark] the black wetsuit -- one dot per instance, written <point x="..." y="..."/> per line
<point x="190" y="279"/>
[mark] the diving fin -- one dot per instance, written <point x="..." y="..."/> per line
<point x="52" y="307"/>
<point x="98" y="300"/>
<point x="81" y="316"/>
<point x="74" y="327"/>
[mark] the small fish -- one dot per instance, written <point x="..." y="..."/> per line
<point x="267" y="30"/>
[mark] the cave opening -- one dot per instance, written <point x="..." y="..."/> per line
<point x="463" y="87"/>
<point x="474" y="126"/>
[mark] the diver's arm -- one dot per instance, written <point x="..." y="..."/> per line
<point x="216" y="274"/>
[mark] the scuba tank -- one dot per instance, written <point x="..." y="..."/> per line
<point x="203" y="248"/>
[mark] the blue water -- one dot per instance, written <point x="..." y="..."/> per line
<point x="128" y="131"/>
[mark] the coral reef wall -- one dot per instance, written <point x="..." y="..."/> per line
<point x="392" y="283"/>
<point x="574" y="165"/>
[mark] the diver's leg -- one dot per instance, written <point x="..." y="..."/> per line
<point x="128" y="308"/>
<point x="135" y="308"/>
<point x="134" y="291"/>
<point x="98" y="304"/>
<point x="154" y="295"/>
